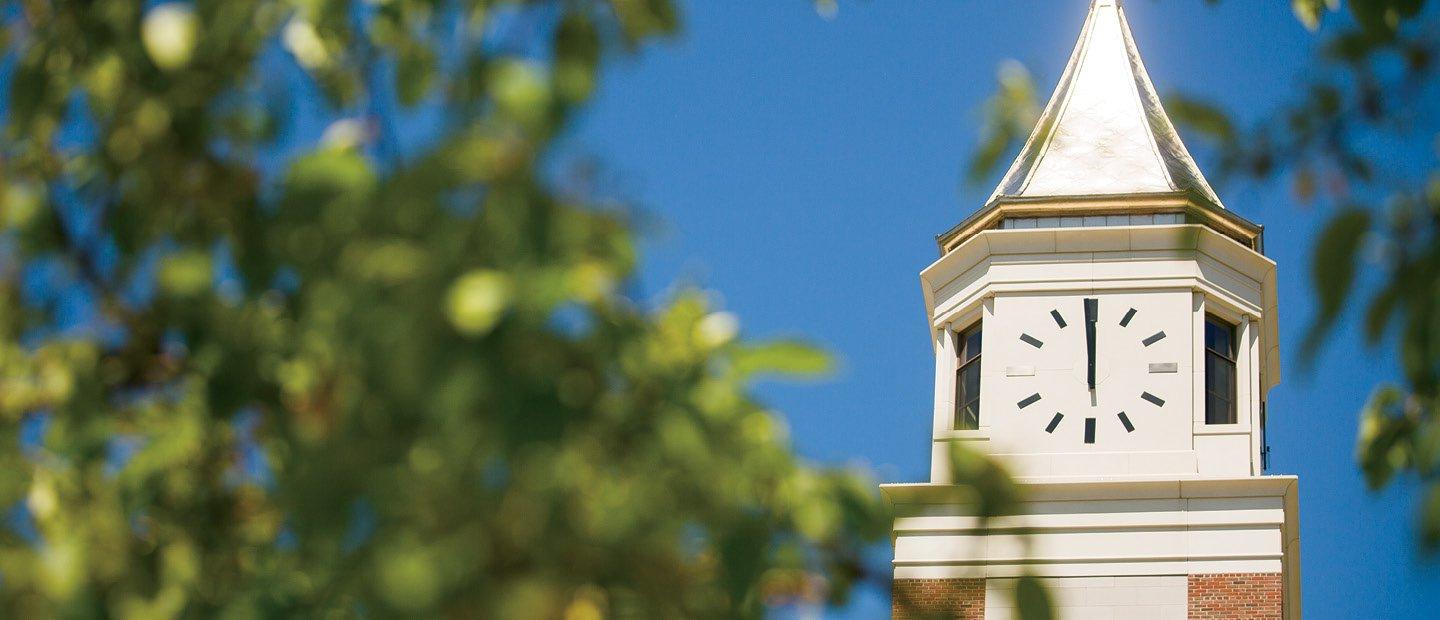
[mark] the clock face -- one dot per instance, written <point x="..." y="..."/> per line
<point x="1094" y="371"/>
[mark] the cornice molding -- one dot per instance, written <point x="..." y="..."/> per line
<point x="1109" y="488"/>
<point x="1223" y="221"/>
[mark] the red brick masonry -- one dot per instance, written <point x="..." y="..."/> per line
<point x="1236" y="595"/>
<point x="945" y="598"/>
<point x="1222" y="596"/>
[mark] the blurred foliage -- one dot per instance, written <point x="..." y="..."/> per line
<point x="245" y="373"/>
<point x="990" y="493"/>
<point x="1009" y="117"/>
<point x="1372" y="90"/>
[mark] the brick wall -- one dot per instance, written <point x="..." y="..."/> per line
<point x="944" y="598"/>
<point x="1225" y="596"/>
<point x="1235" y="596"/>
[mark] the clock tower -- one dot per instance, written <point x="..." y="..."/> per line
<point x="1106" y="329"/>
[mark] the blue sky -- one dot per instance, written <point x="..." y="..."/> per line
<point x="801" y="168"/>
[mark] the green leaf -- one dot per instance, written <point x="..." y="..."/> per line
<point x="641" y="19"/>
<point x="408" y="577"/>
<point x="1332" y="271"/>
<point x="521" y="90"/>
<point x="31" y="94"/>
<point x="339" y="178"/>
<point x="995" y="493"/>
<point x="1204" y="117"/>
<point x="1032" y="600"/>
<point x="1430" y="518"/>
<point x="21" y="204"/>
<point x="577" y="56"/>
<point x="478" y="300"/>
<point x="414" y="73"/>
<point x="1382" y="309"/>
<point x="1010" y="116"/>
<point x="786" y="357"/>
<point x="1425" y="447"/>
<point x="169" y="33"/>
<point x="1309" y="12"/>
<point x="186" y="273"/>
<point x="1383" y="17"/>
<point x="1383" y="441"/>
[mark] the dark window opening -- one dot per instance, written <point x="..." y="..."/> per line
<point x="967" y="379"/>
<point x="1219" y="372"/>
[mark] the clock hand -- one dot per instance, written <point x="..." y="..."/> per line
<point x="1092" y="312"/>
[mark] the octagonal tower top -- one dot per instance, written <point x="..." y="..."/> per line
<point x="1105" y="146"/>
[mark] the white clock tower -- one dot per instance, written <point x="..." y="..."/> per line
<point x="1106" y="329"/>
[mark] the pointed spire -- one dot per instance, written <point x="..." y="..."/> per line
<point x="1104" y="131"/>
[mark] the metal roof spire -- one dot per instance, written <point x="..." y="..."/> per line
<point x="1104" y="131"/>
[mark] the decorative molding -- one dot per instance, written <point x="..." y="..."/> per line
<point x="980" y="434"/>
<point x="1123" y="526"/>
<point x="1224" y="222"/>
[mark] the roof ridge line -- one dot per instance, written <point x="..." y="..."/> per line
<point x="1143" y="74"/>
<point x="1072" y="69"/>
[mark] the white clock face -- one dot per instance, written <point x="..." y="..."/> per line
<point x="1091" y="372"/>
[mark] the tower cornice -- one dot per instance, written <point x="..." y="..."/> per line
<point x="1192" y="206"/>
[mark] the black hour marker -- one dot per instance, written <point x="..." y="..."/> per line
<point x="1059" y="320"/>
<point x="1089" y="430"/>
<point x="1031" y="340"/>
<point x="1159" y="402"/>
<point x="1125" y="322"/>
<point x="1125" y="419"/>
<point x="1029" y="400"/>
<point x="1153" y="339"/>
<point x="1054" y="422"/>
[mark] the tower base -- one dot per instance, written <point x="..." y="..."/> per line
<point x="1122" y="548"/>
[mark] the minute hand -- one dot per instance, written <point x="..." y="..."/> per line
<point x="1092" y="314"/>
